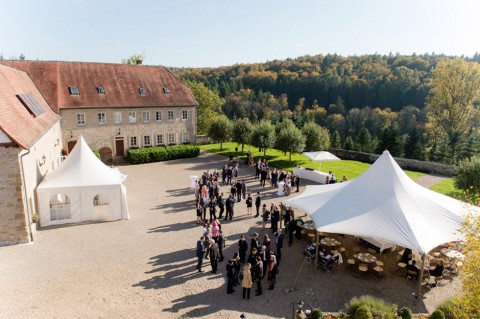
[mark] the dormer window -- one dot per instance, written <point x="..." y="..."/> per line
<point x="74" y="90"/>
<point x="166" y="91"/>
<point x="100" y="90"/>
<point x="142" y="91"/>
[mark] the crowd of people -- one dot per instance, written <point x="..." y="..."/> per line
<point x="251" y="263"/>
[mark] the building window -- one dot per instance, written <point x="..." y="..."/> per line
<point x="132" y="117"/>
<point x="133" y="141"/>
<point x="80" y="119"/>
<point x="146" y="116"/>
<point x="101" y="118"/>
<point x="166" y="91"/>
<point x="118" y="117"/>
<point x="73" y="90"/>
<point x="142" y="91"/>
<point x="146" y="141"/>
<point x="170" y="115"/>
<point x="159" y="139"/>
<point x="184" y="115"/>
<point x="158" y="116"/>
<point x="185" y="137"/>
<point x="100" y="90"/>
<point x="171" y="138"/>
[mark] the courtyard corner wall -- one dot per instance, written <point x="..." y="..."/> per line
<point x="13" y="222"/>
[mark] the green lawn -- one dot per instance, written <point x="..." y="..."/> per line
<point x="350" y="169"/>
<point x="446" y="187"/>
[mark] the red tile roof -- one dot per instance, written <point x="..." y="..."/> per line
<point x="120" y="81"/>
<point x="15" y="120"/>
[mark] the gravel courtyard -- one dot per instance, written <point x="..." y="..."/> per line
<point x="145" y="267"/>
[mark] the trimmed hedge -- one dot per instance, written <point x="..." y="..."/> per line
<point x="160" y="154"/>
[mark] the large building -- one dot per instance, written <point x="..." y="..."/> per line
<point x="115" y="106"/>
<point x="46" y="106"/>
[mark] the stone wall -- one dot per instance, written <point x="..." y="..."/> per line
<point x="404" y="163"/>
<point x="13" y="226"/>
<point x="104" y="135"/>
<point x="203" y="139"/>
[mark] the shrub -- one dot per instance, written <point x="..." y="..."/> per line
<point x="160" y="154"/>
<point x="378" y="307"/>
<point x="468" y="175"/>
<point x="363" y="312"/>
<point x="437" y="314"/>
<point x="96" y="152"/>
<point x="405" y="313"/>
<point x="316" y="314"/>
<point x="447" y="307"/>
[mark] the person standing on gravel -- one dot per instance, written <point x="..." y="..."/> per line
<point x="214" y="254"/>
<point x="258" y="270"/>
<point x="258" y="203"/>
<point x="242" y="248"/>
<point x="199" y="253"/>
<point x="230" y="276"/>
<point x="247" y="280"/>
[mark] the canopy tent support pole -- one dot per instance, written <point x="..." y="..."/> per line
<point x="316" y="252"/>
<point x="420" y="280"/>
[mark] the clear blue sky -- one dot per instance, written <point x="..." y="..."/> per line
<point x="198" y="33"/>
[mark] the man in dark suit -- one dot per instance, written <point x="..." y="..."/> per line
<point x="254" y="241"/>
<point x="279" y="245"/>
<point x="265" y="255"/>
<point x="199" y="253"/>
<point x="242" y="249"/>
<point x="297" y="181"/>
<point x="258" y="203"/>
<point x="214" y="255"/>
<point x="258" y="271"/>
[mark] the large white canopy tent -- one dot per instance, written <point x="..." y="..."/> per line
<point x="82" y="189"/>
<point x="384" y="203"/>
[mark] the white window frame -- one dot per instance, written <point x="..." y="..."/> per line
<point x="184" y="115"/>
<point x="146" y="116"/>
<point x="158" y="116"/>
<point x="132" y="117"/>
<point x="172" y="117"/>
<point x="160" y="139"/>
<point x="171" y="138"/>
<point x="81" y="119"/>
<point x="145" y="142"/>
<point x="101" y="115"/>
<point x="117" y="117"/>
<point x="133" y="141"/>
<point x="184" y="137"/>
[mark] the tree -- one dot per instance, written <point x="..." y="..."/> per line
<point x="220" y="130"/>
<point x="348" y="144"/>
<point x="391" y="141"/>
<point x="413" y="146"/>
<point x="290" y="139"/>
<point x="363" y="142"/>
<point x="467" y="305"/>
<point x="468" y="175"/>
<point x="316" y="137"/>
<point x="209" y="105"/>
<point x="134" y="58"/>
<point x="335" y="140"/>
<point x="455" y="88"/>
<point x="263" y="136"/>
<point x="21" y="57"/>
<point x="242" y="130"/>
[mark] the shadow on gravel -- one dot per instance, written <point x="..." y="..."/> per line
<point x="176" y="207"/>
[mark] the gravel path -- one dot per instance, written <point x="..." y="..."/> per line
<point x="429" y="180"/>
<point x="145" y="267"/>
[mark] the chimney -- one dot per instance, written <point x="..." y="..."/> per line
<point x="139" y="62"/>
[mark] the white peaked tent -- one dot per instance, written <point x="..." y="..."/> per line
<point x="82" y="189"/>
<point x="321" y="156"/>
<point x="384" y="203"/>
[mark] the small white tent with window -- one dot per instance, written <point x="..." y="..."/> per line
<point x="82" y="189"/>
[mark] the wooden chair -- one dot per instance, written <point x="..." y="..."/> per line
<point x="363" y="267"/>
<point x="356" y="249"/>
<point x="411" y="274"/>
<point x="378" y="270"/>
<point x="401" y="266"/>
<point x="371" y="251"/>
<point x="380" y="263"/>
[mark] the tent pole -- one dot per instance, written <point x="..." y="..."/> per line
<point x="420" y="280"/>
<point x="316" y="252"/>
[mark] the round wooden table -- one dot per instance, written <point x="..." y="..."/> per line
<point x="330" y="242"/>
<point x="366" y="258"/>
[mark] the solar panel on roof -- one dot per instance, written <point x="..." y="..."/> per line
<point x="31" y="104"/>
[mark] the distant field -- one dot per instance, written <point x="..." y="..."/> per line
<point x="350" y="169"/>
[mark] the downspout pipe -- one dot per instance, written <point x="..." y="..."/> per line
<point x="24" y="185"/>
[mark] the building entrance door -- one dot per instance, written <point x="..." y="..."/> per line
<point x="119" y="147"/>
